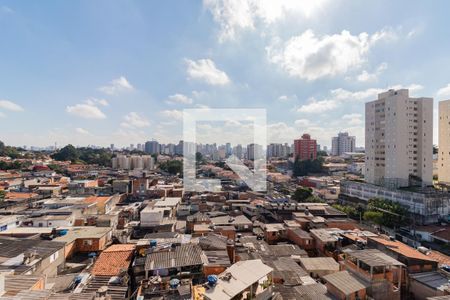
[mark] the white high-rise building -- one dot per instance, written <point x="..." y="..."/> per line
<point x="342" y="143"/>
<point x="444" y="142"/>
<point x="399" y="139"/>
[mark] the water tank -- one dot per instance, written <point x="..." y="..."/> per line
<point x="63" y="232"/>
<point x="153" y="243"/>
<point x="212" y="280"/>
<point x="174" y="283"/>
<point x="423" y="250"/>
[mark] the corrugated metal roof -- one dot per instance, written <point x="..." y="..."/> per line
<point x="345" y="282"/>
<point x="183" y="255"/>
<point x="375" y="258"/>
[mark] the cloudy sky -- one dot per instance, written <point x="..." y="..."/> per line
<point x="101" y="72"/>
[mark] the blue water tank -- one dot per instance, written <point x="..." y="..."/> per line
<point x="174" y="283"/>
<point x="153" y="243"/>
<point x="63" y="232"/>
<point x="212" y="279"/>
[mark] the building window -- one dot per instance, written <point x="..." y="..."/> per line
<point x="87" y="242"/>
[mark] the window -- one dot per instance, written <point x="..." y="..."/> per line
<point x="87" y="242"/>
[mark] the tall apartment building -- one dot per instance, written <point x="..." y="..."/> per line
<point x="254" y="151"/>
<point x="444" y="142"/>
<point x="151" y="147"/>
<point x="278" y="150"/>
<point x="342" y="143"/>
<point x="305" y="148"/>
<point x="399" y="139"/>
<point x="237" y="150"/>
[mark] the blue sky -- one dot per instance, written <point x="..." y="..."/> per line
<point x="101" y="72"/>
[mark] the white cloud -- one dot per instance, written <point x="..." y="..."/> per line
<point x="95" y="101"/>
<point x="173" y="114"/>
<point x="311" y="57"/>
<point x="117" y="86"/>
<point x="340" y="96"/>
<point x="9" y="105"/>
<point x="205" y="70"/>
<point x="234" y="16"/>
<point x="134" y="120"/>
<point x="366" y="76"/>
<point x="179" y="98"/>
<point x="302" y="122"/>
<point x="353" y="119"/>
<point x="444" y="92"/>
<point x="82" y="131"/>
<point x="315" y="106"/>
<point x="86" y="111"/>
<point x="286" y="98"/>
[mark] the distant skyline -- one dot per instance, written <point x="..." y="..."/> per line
<point x="101" y="72"/>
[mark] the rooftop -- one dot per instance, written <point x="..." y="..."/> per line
<point x="113" y="260"/>
<point x="319" y="263"/>
<point x="374" y="258"/>
<point x="242" y="275"/>
<point x="181" y="256"/>
<point x="401" y="249"/>
<point x="345" y="282"/>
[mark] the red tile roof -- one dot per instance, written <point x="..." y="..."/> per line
<point x="113" y="260"/>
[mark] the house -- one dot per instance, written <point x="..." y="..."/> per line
<point x="250" y="277"/>
<point x="319" y="266"/>
<point x="169" y="262"/>
<point x="9" y="221"/>
<point x="240" y="222"/>
<point x="429" y="284"/>
<point x="114" y="260"/>
<point x="301" y="238"/>
<point x="325" y="240"/>
<point x="85" y="239"/>
<point x="17" y="285"/>
<point x="105" y="204"/>
<point x="382" y="273"/>
<point x="414" y="260"/>
<point x="31" y="256"/>
<point x="343" y="286"/>
<point x="274" y="232"/>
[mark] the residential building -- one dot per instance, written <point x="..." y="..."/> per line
<point x="237" y="150"/>
<point x="342" y="143"/>
<point x="399" y="139"/>
<point x="444" y="142"/>
<point x="152" y="147"/>
<point x="427" y="205"/>
<point x="305" y="148"/>
<point x="254" y="151"/>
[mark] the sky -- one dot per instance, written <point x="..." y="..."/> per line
<point x="100" y="72"/>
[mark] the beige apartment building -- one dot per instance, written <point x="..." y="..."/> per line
<point x="444" y="142"/>
<point x="399" y="139"/>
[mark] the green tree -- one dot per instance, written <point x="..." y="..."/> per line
<point x="2" y="195"/>
<point x="301" y="194"/>
<point x="2" y="148"/>
<point x="374" y="217"/>
<point x="199" y="160"/>
<point x="172" y="166"/>
<point x="69" y="152"/>
<point x="305" y="167"/>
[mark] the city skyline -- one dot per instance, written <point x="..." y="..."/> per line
<point x="109" y="78"/>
